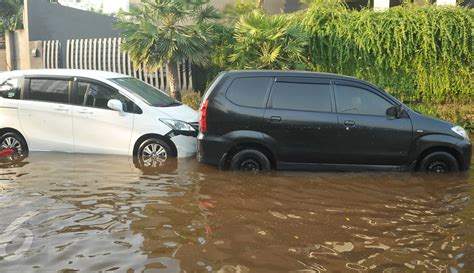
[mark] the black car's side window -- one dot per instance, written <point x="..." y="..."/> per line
<point x="97" y="95"/>
<point x="11" y="89"/>
<point x="249" y="92"/>
<point x="49" y="90"/>
<point x="301" y="96"/>
<point x="355" y="100"/>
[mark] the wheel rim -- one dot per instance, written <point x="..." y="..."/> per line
<point x="438" y="166"/>
<point x="153" y="155"/>
<point x="250" y="165"/>
<point x="12" y="143"/>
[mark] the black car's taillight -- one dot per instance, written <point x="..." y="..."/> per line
<point x="203" y="116"/>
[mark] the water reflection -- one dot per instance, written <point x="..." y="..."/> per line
<point x="102" y="213"/>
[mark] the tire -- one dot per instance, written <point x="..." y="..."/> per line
<point x="439" y="162"/>
<point x="15" y="142"/>
<point x="153" y="153"/>
<point x="250" y="160"/>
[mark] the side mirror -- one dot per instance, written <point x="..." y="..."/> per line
<point x="394" y="111"/>
<point x="115" y="105"/>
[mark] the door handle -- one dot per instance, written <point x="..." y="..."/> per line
<point x="61" y="109"/>
<point x="275" y="119"/>
<point x="85" y="112"/>
<point x="349" y="123"/>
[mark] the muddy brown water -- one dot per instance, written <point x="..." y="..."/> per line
<point x="67" y="213"/>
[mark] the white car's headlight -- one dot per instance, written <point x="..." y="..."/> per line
<point x="460" y="131"/>
<point x="178" y="125"/>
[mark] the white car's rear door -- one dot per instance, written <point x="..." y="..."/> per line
<point x="46" y="115"/>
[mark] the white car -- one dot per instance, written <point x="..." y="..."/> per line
<point x="83" y="111"/>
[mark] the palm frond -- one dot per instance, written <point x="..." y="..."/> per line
<point x="161" y="31"/>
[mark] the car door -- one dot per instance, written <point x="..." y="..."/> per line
<point x="367" y="135"/>
<point x="98" y="129"/>
<point x="300" y="120"/>
<point x="45" y="114"/>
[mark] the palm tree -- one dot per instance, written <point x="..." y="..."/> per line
<point x="11" y="15"/>
<point x="168" y="31"/>
<point x="269" y="42"/>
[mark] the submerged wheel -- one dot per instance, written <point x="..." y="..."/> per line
<point x="250" y="160"/>
<point x="15" y="142"/>
<point x="438" y="163"/>
<point x="153" y="153"/>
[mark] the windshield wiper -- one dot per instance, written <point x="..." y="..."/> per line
<point x="174" y="103"/>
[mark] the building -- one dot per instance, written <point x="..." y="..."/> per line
<point x="24" y="46"/>
<point x="58" y="36"/>
<point x="54" y="20"/>
<point x="134" y="2"/>
<point x="105" y="6"/>
<point x="278" y="6"/>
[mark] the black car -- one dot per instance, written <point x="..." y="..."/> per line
<point x="261" y="120"/>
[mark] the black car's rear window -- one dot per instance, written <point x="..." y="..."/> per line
<point x="249" y="91"/>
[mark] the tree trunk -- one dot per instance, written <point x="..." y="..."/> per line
<point x="173" y="79"/>
<point x="260" y="4"/>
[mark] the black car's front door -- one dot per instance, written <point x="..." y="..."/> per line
<point x="367" y="135"/>
<point x="300" y="121"/>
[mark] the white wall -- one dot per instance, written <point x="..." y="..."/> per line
<point x="385" y="4"/>
<point x="446" y="2"/>
<point x="381" y="4"/>
<point x="108" y="6"/>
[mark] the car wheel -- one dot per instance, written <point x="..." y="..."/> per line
<point x="15" y="142"/>
<point x="250" y="160"/>
<point x="439" y="162"/>
<point x="153" y="153"/>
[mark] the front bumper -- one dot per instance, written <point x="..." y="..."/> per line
<point x="185" y="145"/>
<point x="466" y="152"/>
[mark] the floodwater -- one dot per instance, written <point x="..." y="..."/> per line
<point x="68" y="213"/>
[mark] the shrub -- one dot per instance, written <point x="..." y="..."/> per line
<point x="416" y="53"/>
<point x="192" y="99"/>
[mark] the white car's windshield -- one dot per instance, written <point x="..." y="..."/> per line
<point x="147" y="93"/>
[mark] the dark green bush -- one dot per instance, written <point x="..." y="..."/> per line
<point x="416" y="53"/>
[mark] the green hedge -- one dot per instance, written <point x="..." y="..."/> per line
<point x="416" y="53"/>
<point x="419" y="54"/>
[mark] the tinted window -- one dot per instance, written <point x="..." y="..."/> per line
<point x="49" y="90"/>
<point x="248" y="92"/>
<point x="301" y="96"/>
<point x="97" y="95"/>
<point x="353" y="100"/>
<point x="10" y="89"/>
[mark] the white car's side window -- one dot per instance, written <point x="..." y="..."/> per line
<point x="95" y="95"/>
<point x="49" y="90"/>
<point x="10" y="89"/>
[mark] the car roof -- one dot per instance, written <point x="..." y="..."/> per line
<point x="290" y="73"/>
<point x="93" y="74"/>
